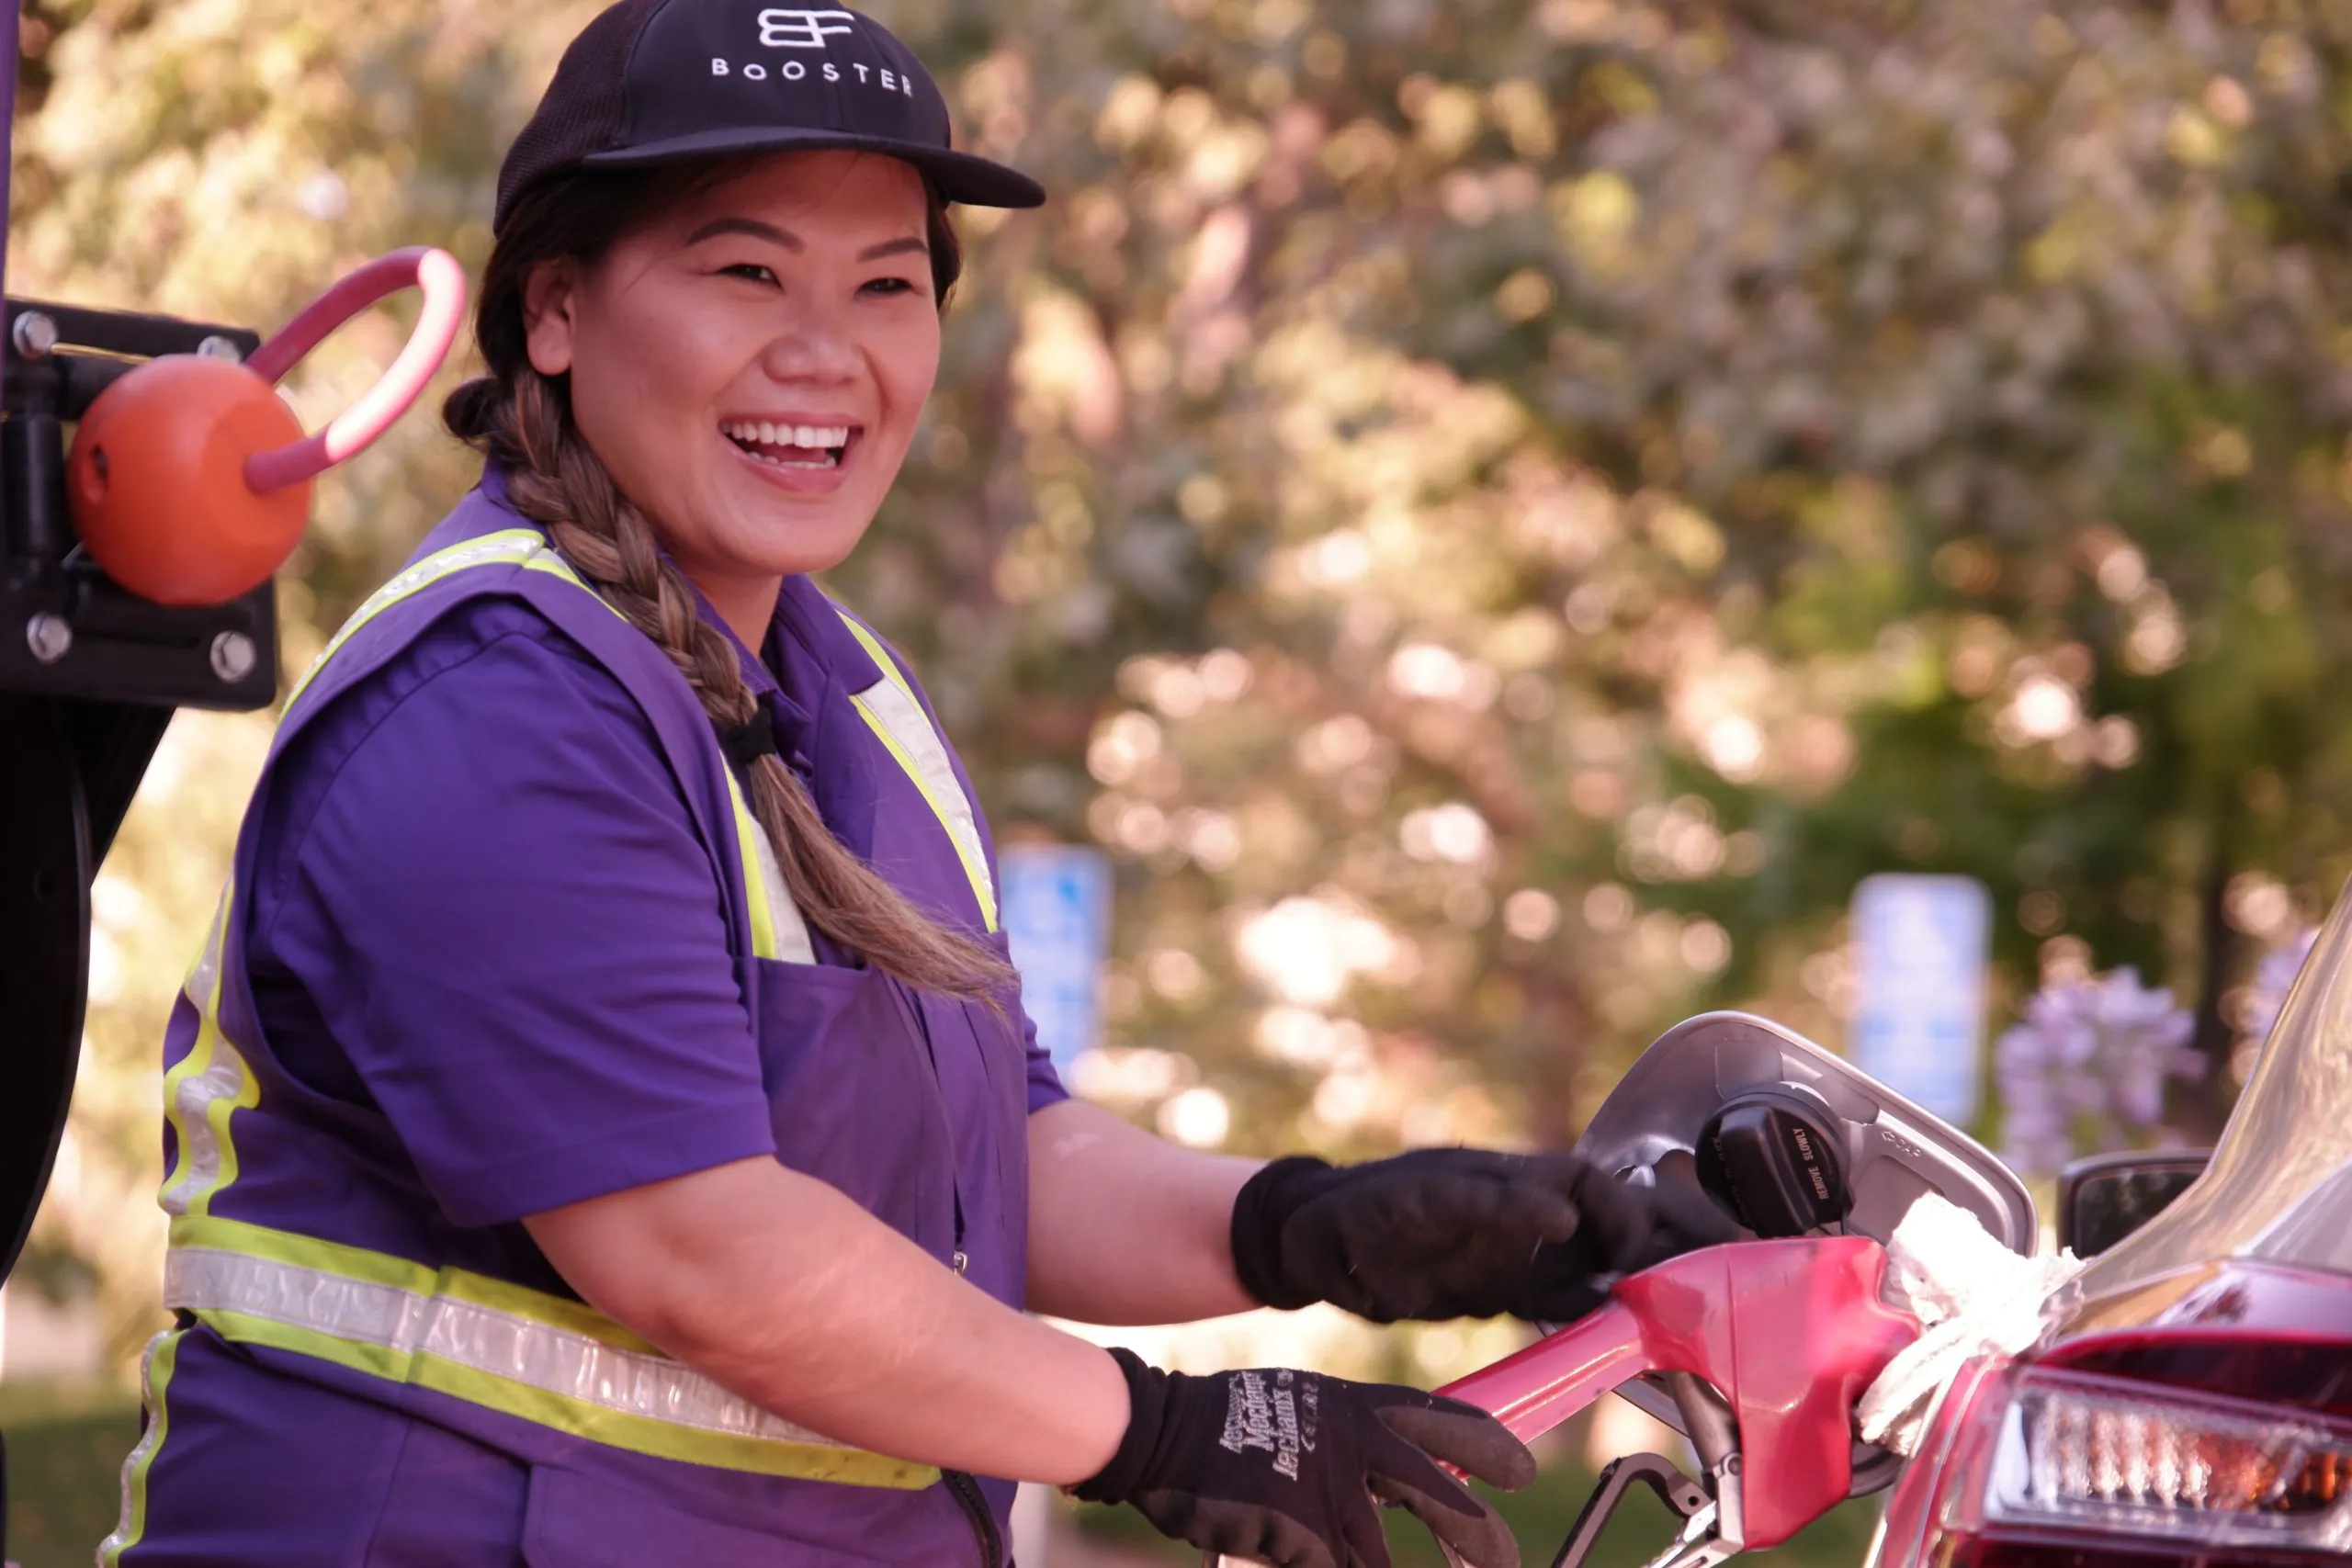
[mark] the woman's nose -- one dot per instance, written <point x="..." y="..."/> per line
<point x="810" y="347"/>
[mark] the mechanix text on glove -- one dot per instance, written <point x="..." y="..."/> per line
<point x="1292" y="1468"/>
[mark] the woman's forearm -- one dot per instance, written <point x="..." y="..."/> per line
<point x="781" y="1289"/>
<point x="1125" y="1227"/>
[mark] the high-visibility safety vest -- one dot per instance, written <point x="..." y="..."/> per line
<point x="370" y="1304"/>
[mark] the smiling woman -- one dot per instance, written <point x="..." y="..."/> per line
<point x="601" y="1127"/>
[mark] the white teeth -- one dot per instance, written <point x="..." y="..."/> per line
<point x="761" y="433"/>
<point x="826" y="461"/>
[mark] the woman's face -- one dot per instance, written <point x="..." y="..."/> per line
<point x="750" y="367"/>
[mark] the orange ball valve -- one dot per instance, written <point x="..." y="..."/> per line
<point x="189" y="478"/>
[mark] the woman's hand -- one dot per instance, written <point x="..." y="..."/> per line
<point x="1457" y="1233"/>
<point x="1286" y="1467"/>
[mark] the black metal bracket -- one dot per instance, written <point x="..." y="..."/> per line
<point x="1681" y="1495"/>
<point x="66" y="629"/>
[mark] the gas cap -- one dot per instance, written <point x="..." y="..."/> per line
<point x="1772" y="1155"/>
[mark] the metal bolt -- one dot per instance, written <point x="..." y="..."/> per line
<point x="219" y="347"/>
<point x="35" y="334"/>
<point x="233" y="657"/>
<point x="49" y="637"/>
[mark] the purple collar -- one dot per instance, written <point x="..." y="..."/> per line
<point x="805" y="618"/>
<point x="812" y="663"/>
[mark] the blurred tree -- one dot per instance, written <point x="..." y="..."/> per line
<point x="1497" y="513"/>
<point x="1568" y="488"/>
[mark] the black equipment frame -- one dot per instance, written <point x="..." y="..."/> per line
<point x="90" y="675"/>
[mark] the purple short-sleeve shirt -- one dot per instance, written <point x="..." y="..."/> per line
<point x="481" y="920"/>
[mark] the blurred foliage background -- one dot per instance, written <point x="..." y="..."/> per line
<point x="1496" y="514"/>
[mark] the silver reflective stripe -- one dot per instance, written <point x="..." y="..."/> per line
<point x="891" y="711"/>
<point x="132" y="1522"/>
<point x="466" y="1333"/>
<point x="225" y="1078"/>
<point x="911" y="729"/>
<point x="211" y="1073"/>
<point x="792" y="943"/>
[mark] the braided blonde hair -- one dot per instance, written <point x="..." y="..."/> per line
<point x="522" y="421"/>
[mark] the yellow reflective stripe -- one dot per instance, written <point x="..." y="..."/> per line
<point x="748" y="839"/>
<point x="184" y="1164"/>
<point x="447" y="1330"/>
<point x="556" y="566"/>
<point x="155" y="1377"/>
<point x="217" y="1114"/>
<point x="207" y="1087"/>
<point x="956" y="816"/>
<point x="508" y="546"/>
<point x="302" y="1251"/>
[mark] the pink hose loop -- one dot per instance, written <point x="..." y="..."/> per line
<point x="436" y="273"/>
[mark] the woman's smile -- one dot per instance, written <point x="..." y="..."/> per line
<point x="807" y="454"/>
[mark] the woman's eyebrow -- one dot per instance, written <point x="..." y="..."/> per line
<point x="757" y="230"/>
<point x="748" y="226"/>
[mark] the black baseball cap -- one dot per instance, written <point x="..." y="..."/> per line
<point x="659" y="81"/>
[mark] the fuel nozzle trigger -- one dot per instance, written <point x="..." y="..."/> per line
<point x="1710" y="1510"/>
<point x="1698" y="1544"/>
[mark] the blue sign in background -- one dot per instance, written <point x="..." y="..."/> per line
<point x="1918" y="1018"/>
<point x="1054" y="901"/>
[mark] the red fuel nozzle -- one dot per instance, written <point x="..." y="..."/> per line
<point x="1790" y="1332"/>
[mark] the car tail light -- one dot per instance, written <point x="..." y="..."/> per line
<point x="2082" y="1452"/>
<point x="2036" y="1466"/>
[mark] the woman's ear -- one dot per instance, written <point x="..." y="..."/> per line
<point x="551" y="299"/>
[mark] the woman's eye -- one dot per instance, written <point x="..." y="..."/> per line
<point x="752" y="270"/>
<point x="891" y="285"/>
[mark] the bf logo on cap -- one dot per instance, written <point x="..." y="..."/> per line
<point x="803" y="29"/>
<point x="810" y="29"/>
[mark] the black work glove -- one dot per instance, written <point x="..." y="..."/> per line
<point x="1458" y="1232"/>
<point x="1285" y="1467"/>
